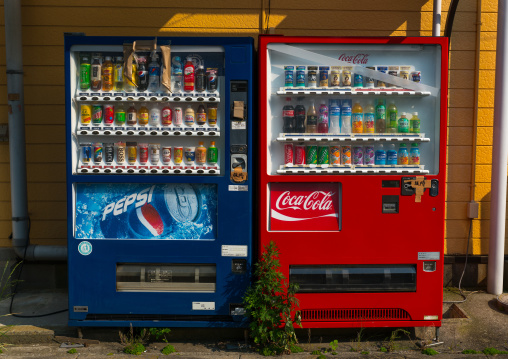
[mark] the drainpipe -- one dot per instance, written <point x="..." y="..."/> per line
<point x="19" y="200"/>
<point x="499" y="158"/>
<point x="436" y="18"/>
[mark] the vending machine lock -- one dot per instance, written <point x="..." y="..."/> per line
<point x="238" y="266"/>
<point x="418" y="184"/>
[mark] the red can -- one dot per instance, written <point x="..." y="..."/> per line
<point x="143" y="153"/>
<point x="299" y="155"/>
<point x="109" y="114"/>
<point x="288" y="154"/>
<point x="167" y="116"/>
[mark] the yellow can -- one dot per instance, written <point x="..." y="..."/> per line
<point x="86" y="114"/>
<point x="178" y="155"/>
<point x="132" y="152"/>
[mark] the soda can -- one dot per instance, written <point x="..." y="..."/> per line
<point x="132" y="152"/>
<point x="335" y="155"/>
<point x="323" y="155"/>
<point x="120" y="153"/>
<point x="288" y="154"/>
<point x="178" y="155"/>
<point x="109" y="114"/>
<point x="97" y="115"/>
<point x="155" y="153"/>
<point x="311" y="155"/>
<point x="86" y="115"/>
<point x="143" y="153"/>
<point x="357" y="155"/>
<point x="382" y="69"/>
<point x="323" y="76"/>
<point x="86" y="152"/>
<point x="335" y="76"/>
<point x="358" y="80"/>
<point x="346" y="77"/>
<point x="300" y="76"/>
<point x="404" y="74"/>
<point x="299" y="155"/>
<point x="289" y="73"/>
<point x="312" y="76"/>
<point x="189" y="155"/>
<point x="178" y="120"/>
<point x="166" y="155"/>
<point x="416" y="76"/>
<point x="345" y="157"/>
<point x="97" y="152"/>
<point x="212" y="79"/>
<point x="369" y="155"/>
<point x="369" y="81"/>
<point x="212" y="114"/>
<point x="120" y="117"/>
<point x="166" y="116"/>
<point x="109" y="152"/>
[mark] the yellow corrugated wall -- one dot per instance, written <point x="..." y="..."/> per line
<point x="45" y="21"/>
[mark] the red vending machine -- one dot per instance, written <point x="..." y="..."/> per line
<point x="352" y="175"/>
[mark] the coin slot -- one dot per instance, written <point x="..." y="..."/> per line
<point x="165" y="133"/>
<point x="153" y="133"/>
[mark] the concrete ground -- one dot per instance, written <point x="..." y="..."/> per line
<point x="486" y="326"/>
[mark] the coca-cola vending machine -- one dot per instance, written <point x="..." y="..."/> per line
<point x="159" y="209"/>
<point x="352" y="175"/>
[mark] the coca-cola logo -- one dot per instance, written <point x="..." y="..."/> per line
<point x="358" y="59"/>
<point x="317" y="200"/>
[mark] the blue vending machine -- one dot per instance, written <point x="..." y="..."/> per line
<point x="159" y="180"/>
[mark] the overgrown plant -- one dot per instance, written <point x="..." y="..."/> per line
<point x="390" y="345"/>
<point x="133" y="339"/>
<point x="272" y="306"/>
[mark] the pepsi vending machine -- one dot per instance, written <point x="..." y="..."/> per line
<point x="159" y="148"/>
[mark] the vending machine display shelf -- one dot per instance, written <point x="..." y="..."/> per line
<point x="149" y="170"/>
<point x="351" y="91"/>
<point x="147" y="131"/>
<point x="146" y="97"/>
<point x="355" y="137"/>
<point x="352" y="169"/>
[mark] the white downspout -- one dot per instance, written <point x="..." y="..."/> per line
<point x="499" y="158"/>
<point x="436" y="18"/>
<point x="17" y="151"/>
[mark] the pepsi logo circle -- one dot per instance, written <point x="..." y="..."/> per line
<point x="85" y="248"/>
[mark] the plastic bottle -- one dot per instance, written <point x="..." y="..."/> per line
<point x="369" y="119"/>
<point x="95" y="73"/>
<point x="129" y="85"/>
<point x="154" y="74"/>
<point x="143" y="116"/>
<point x="288" y="117"/>
<point x="200" y="79"/>
<point x="403" y="155"/>
<point x="391" y="118"/>
<point x="201" y="154"/>
<point x="201" y="115"/>
<point x="311" y="118"/>
<point x="380" y="157"/>
<point x="155" y="117"/>
<point x="403" y="124"/>
<point x="190" y="116"/>
<point x="132" y="115"/>
<point x="391" y="155"/>
<point x="118" y="75"/>
<point x="414" y="154"/>
<point x="176" y="73"/>
<point x="300" y="117"/>
<point x="119" y="115"/>
<point x="212" y="154"/>
<point x="380" y="117"/>
<point x="84" y="73"/>
<point x="188" y="75"/>
<point x="323" y="118"/>
<point x="142" y="74"/>
<point x="345" y="116"/>
<point x="414" y="123"/>
<point x="334" y="117"/>
<point x="107" y="74"/>
<point x="357" y="118"/>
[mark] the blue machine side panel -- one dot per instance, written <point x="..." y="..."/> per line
<point x="168" y="233"/>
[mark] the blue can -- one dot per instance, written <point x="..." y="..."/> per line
<point x="289" y="73"/>
<point x="358" y="80"/>
<point x="380" y="156"/>
<point x="300" y="76"/>
<point x="391" y="156"/>
<point x="323" y="76"/>
<point x="86" y="152"/>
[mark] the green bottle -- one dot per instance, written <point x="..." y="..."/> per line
<point x="403" y="125"/>
<point x="414" y="124"/>
<point x="84" y="73"/>
<point x="391" y="118"/>
<point x="212" y="154"/>
<point x="380" y="117"/>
